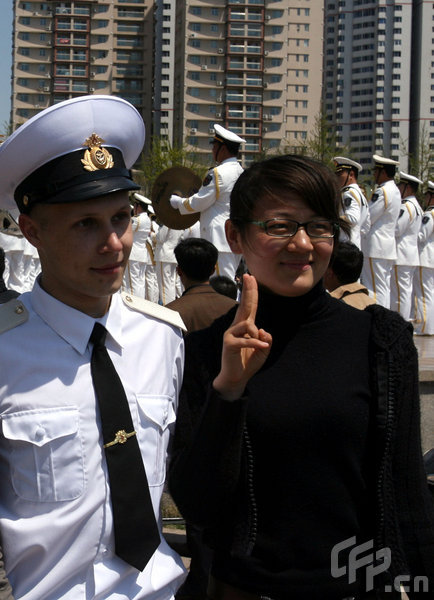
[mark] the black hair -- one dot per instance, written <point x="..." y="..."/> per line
<point x="346" y="262"/>
<point x="310" y="179"/>
<point x="197" y="258"/>
<point x="224" y="285"/>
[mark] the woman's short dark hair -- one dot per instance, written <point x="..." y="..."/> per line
<point x="310" y="179"/>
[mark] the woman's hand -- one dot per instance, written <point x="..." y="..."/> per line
<point x="245" y="347"/>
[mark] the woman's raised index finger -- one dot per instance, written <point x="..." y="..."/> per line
<point x="248" y="301"/>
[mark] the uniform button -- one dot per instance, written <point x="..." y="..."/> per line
<point x="40" y="433"/>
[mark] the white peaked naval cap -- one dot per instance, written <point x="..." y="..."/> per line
<point x="381" y="160"/>
<point x="346" y="163"/>
<point x="75" y="150"/>
<point x="406" y="177"/>
<point x="224" y="135"/>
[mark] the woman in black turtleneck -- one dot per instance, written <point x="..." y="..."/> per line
<point x="278" y="452"/>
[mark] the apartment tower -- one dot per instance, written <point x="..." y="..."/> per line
<point x="253" y="66"/>
<point x="377" y="64"/>
<point x="67" y="49"/>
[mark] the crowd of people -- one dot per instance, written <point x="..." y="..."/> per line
<point x="396" y="236"/>
<point x="284" y="421"/>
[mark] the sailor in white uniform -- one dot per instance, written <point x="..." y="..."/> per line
<point x="135" y="273"/>
<point x="407" y="253"/>
<point x="379" y="246"/>
<point x="68" y="170"/>
<point x="354" y="204"/>
<point x="425" y="274"/>
<point x="212" y="200"/>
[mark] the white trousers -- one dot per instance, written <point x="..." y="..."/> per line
<point x="134" y="278"/>
<point x="401" y="290"/>
<point x="376" y="274"/>
<point x="152" y="292"/>
<point x="424" y="301"/>
<point x="166" y="275"/>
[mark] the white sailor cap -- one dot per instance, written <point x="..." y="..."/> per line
<point x="141" y="199"/>
<point x="75" y="150"/>
<point x="411" y="178"/>
<point x="224" y="135"/>
<point x="430" y="187"/>
<point x="381" y="161"/>
<point x="151" y="210"/>
<point x="343" y="163"/>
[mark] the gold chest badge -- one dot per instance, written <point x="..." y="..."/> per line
<point x="96" y="157"/>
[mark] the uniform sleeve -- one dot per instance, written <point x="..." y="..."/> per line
<point x="406" y="216"/>
<point x="5" y="588"/>
<point x="426" y="228"/>
<point x="377" y="205"/>
<point x="351" y="205"/>
<point x="205" y="197"/>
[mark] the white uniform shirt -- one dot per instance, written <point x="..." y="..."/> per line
<point x="141" y="225"/>
<point x="355" y="208"/>
<point x="407" y="231"/>
<point x="166" y="241"/>
<point x="56" y="517"/>
<point x="426" y="239"/>
<point x="384" y="208"/>
<point x="212" y="201"/>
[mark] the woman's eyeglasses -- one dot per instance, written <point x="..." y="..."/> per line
<point x="288" y="228"/>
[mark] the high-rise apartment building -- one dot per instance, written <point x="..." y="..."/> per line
<point x="70" y="48"/>
<point x="377" y="62"/>
<point x="253" y="66"/>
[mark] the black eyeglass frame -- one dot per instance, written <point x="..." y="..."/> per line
<point x="264" y="225"/>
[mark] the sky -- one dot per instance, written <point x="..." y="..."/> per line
<point x="5" y="61"/>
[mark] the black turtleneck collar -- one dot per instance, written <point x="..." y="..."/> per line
<point x="280" y="312"/>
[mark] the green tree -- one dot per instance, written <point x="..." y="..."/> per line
<point x="421" y="162"/>
<point x="320" y="143"/>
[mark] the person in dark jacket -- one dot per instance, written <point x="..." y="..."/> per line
<point x="200" y="304"/>
<point x="297" y="444"/>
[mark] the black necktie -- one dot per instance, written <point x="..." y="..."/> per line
<point x="136" y="531"/>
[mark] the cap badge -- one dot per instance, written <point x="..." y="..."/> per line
<point x="96" y="157"/>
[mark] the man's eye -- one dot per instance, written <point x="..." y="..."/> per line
<point x="123" y="216"/>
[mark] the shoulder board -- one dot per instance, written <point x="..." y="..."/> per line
<point x="12" y="314"/>
<point x="375" y="197"/>
<point x="154" y="310"/>
<point x="208" y="178"/>
<point x="425" y="219"/>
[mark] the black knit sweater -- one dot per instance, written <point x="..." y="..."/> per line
<point x="286" y="473"/>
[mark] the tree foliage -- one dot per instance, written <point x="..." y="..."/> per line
<point x="421" y="162"/>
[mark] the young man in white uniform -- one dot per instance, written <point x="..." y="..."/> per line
<point x="407" y="253"/>
<point x="379" y="247"/>
<point x="425" y="274"/>
<point x="68" y="170"/>
<point x="354" y="204"/>
<point x="212" y="200"/>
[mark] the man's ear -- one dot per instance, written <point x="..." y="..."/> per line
<point x="30" y="229"/>
<point x="233" y="237"/>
